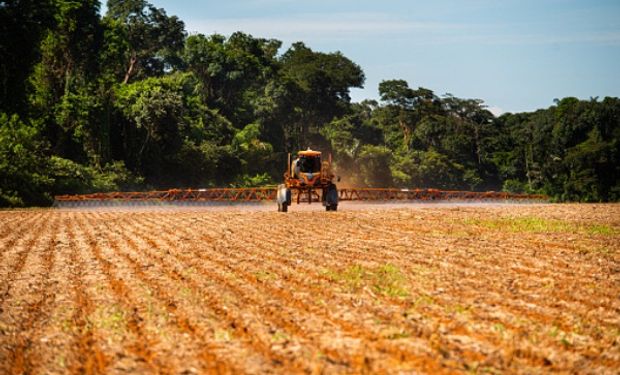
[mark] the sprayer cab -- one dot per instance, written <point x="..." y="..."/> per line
<point x="306" y="169"/>
<point x="311" y="178"/>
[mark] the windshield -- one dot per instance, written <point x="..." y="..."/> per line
<point x="309" y="164"/>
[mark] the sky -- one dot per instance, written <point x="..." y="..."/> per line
<point x="516" y="55"/>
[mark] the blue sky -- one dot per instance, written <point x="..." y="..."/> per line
<point x="516" y="55"/>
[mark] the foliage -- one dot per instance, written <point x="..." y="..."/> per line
<point x="73" y="178"/>
<point x="258" y="180"/>
<point x="153" y="39"/>
<point x="129" y="101"/>
<point x="252" y="152"/>
<point x="429" y="168"/>
<point x="319" y="86"/>
<point x="23" y="23"/>
<point x="375" y="166"/>
<point x="23" y="165"/>
<point x="514" y="186"/>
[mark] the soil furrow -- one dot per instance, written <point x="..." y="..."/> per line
<point x="141" y="345"/>
<point x="208" y="350"/>
<point x="13" y="229"/>
<point x="246" y="237"/>
<point x="14" y="269"/>
<point x="88" y="358"/>
<point x="238" y="323"/>
<point x="248" y="291"/>
<point x="293" y="302"/>
<point x="496" y="289"/>
<point x="21" y="359"/>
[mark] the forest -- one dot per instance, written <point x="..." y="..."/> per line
<point x="129" y="100"/>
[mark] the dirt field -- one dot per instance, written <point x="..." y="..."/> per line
<point x="420" y="289"/>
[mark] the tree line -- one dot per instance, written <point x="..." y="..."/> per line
<point x="130" y="101"/>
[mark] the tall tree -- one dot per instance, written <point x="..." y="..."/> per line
<point x="24" y="166"/>
<point x="63" y="82"/>
<point x="233" y="71"/>
<point x="323" y="82"/>
<point x="23" y="23"/>
<point x="409" y="106"/>
<point x="154" y="39"/>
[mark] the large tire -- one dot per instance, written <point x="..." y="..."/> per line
<point x="330" y="198"/>
<point x="288" y="196"/>
<point x="283" y="198"/>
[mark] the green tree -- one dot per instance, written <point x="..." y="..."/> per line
<point x="233" y="72"/>
<point x="24" y="180"/>
<point x="23" y="23"/>
<point x="322" y="82"/>
<point x="587" y="164"/>
<point x="153" y="110"/>
<point x="347" y="136"/>
<point x="63" y="94"/>
<point x="154" y="40"/>
<point x="168" y="130"/>
<point x="430" y="169"/>
<point x="254" y="153"/>
<point x="406" y="107"/>
<point x="374" y="166"/>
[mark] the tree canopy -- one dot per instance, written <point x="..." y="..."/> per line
<point x="129" y="100"/>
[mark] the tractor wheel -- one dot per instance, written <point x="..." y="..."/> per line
<point x="330" y="198"/>
<point x="283" y="198"/>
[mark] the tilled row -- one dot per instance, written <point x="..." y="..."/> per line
<point x="258" y="292"/>
<point x="248" y="237"/>
<point x="144" y="338"/>
<point x="159" y="286"/>
<point x="518" y="308"/>
<point x="27" y="299"/>
<point x="302" y="321"/>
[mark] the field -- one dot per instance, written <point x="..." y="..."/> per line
<point x="423" y="289"/>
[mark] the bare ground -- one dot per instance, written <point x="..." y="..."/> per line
<point x="438" y="288"/>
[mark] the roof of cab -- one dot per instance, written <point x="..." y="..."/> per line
<point x="309" y="152"/>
